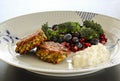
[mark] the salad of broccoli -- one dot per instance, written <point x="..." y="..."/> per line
<point x="75" y="35"/>
<point x="88" y="33"/>
<point x="89" y="30"/>
<point x="95" y="26"/>
<point x="60" y="29"/>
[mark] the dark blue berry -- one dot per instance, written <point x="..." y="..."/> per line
<point x="61" y="39"/>
<point x="79" y="45"/>
<point x="55" y="39"/>
<point x="67" y="37"/>
<point x="75" y="40"/>
<point x="94" y="41"/>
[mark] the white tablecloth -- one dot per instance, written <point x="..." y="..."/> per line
<point x="13" y="8"/>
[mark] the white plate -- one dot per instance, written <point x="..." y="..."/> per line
<point x="21" y="26"/>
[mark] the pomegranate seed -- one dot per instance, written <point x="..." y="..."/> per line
<point x="102" y="36"/>
<point x="72" y="45"/>
<point x="82" y="40"/>
<point x="75" y="48"/>
<point x="103" y="42"/>
<point x="67" y="45"/>
<point x="105" y="39"/>
<point x="102" y="39"/>
<point x="64" y="43"/>
<point x="87" y="44"/>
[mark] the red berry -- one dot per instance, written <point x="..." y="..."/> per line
<point x="102" y="36"/>
<point x="87" y="44"/>
<point x="72" y="45"/>
<point x="103" y="42"/>
<point x="64" y="43"/>
<point x="82" y="40"/>
<point x="67" y="45"/>
<point x="105" y="39"/>
<point x="75" y="48"/>
<point x="102" y="39"/>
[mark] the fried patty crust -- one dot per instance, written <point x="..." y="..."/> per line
<point x="29" y="42"/>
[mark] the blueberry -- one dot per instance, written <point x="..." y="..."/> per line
<point x="75" y="40"/>
<point x="67" y="37"/>
<point x="61" y="39"/>
<point x="54" y="27"/>
<point x="79" y="45"/>
<point x="94" y="41"/>
<point x="55" y="38"/>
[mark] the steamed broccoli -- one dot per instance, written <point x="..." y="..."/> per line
<point x="89" y="30"/>
<point x="48" y="31"/>
<point x="88" y="33"/>
<point x="69" y="27"/>
<point x="45" y="28"/>
<point x="95" y="26"/>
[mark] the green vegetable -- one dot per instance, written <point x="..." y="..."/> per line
<point x="88" y="33"/>
<point x="69" y="27"/>
<point x="95" y="26"/>
<point x="48" y="31"/>
<point x="45" y="28"/>
<point x="89" y="30"/>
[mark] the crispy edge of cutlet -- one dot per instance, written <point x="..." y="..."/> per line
<point x="36" y="38"/>
<point x="31" y="37"/>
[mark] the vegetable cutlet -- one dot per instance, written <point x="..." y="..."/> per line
<point x="30" y="42"/>
<point x="52" y="52"/>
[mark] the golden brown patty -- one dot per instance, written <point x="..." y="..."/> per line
<point x="52" y="52"/>
<point x="30" y="42"/>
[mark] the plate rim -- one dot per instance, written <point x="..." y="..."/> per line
<point x="7" y="20"/>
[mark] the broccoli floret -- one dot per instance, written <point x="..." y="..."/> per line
<point x="69" y="27"/>
<point x="88" y="33"/>
<point x="48" y="31"/>
<point x="45" y="28"/>
<point x="95" y="26"/>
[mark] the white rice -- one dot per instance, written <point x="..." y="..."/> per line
<point x="91" y="56"/>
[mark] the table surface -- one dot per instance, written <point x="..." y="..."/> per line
<point x="11" y="73"/>
<point x="13" y="8"/>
